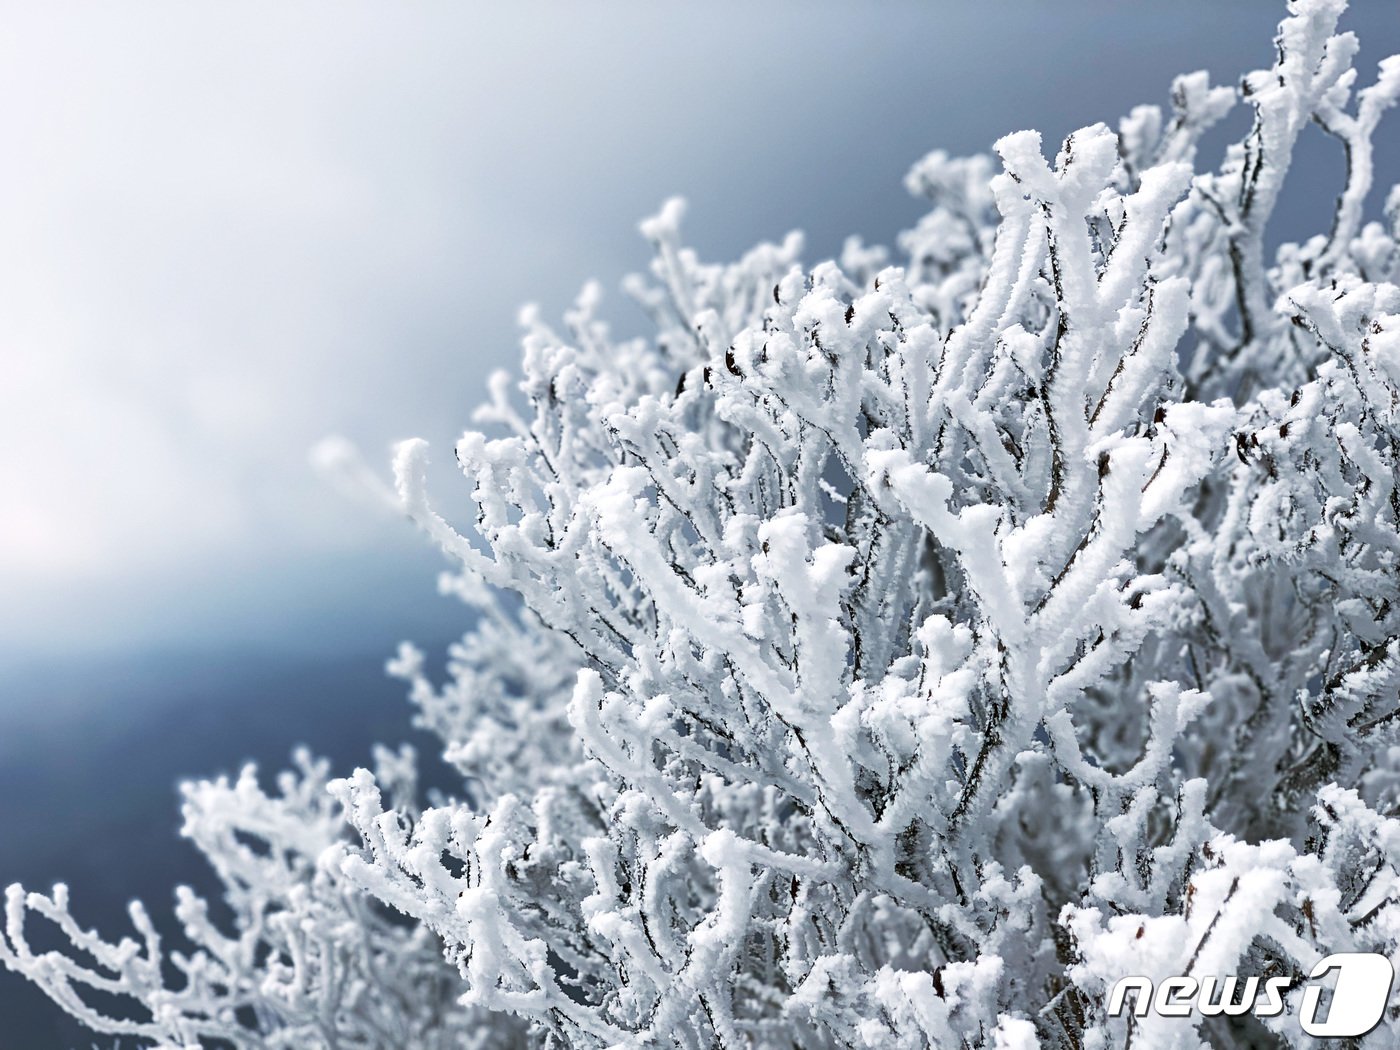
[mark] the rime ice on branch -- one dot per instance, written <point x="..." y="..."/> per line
<point x="898" y="655"/>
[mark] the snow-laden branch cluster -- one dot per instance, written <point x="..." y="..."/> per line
<point x="883" y="655"/>
<point x="307" y="961"/>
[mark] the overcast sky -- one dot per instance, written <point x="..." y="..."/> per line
<point x="226" y="231"/>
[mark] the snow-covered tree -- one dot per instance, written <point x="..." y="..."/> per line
<point x="880" y="655"/>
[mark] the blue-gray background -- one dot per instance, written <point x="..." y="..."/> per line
<point x="227" y="231"/>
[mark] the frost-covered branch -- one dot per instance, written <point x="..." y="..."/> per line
<point x="886" y="654"/>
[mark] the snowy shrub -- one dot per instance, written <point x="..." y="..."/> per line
<point x="881" y="656"/>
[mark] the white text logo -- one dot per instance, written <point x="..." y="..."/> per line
<point x="1358" y="999"/>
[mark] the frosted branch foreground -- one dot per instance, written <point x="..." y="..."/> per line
<point x="902" y="654"/>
